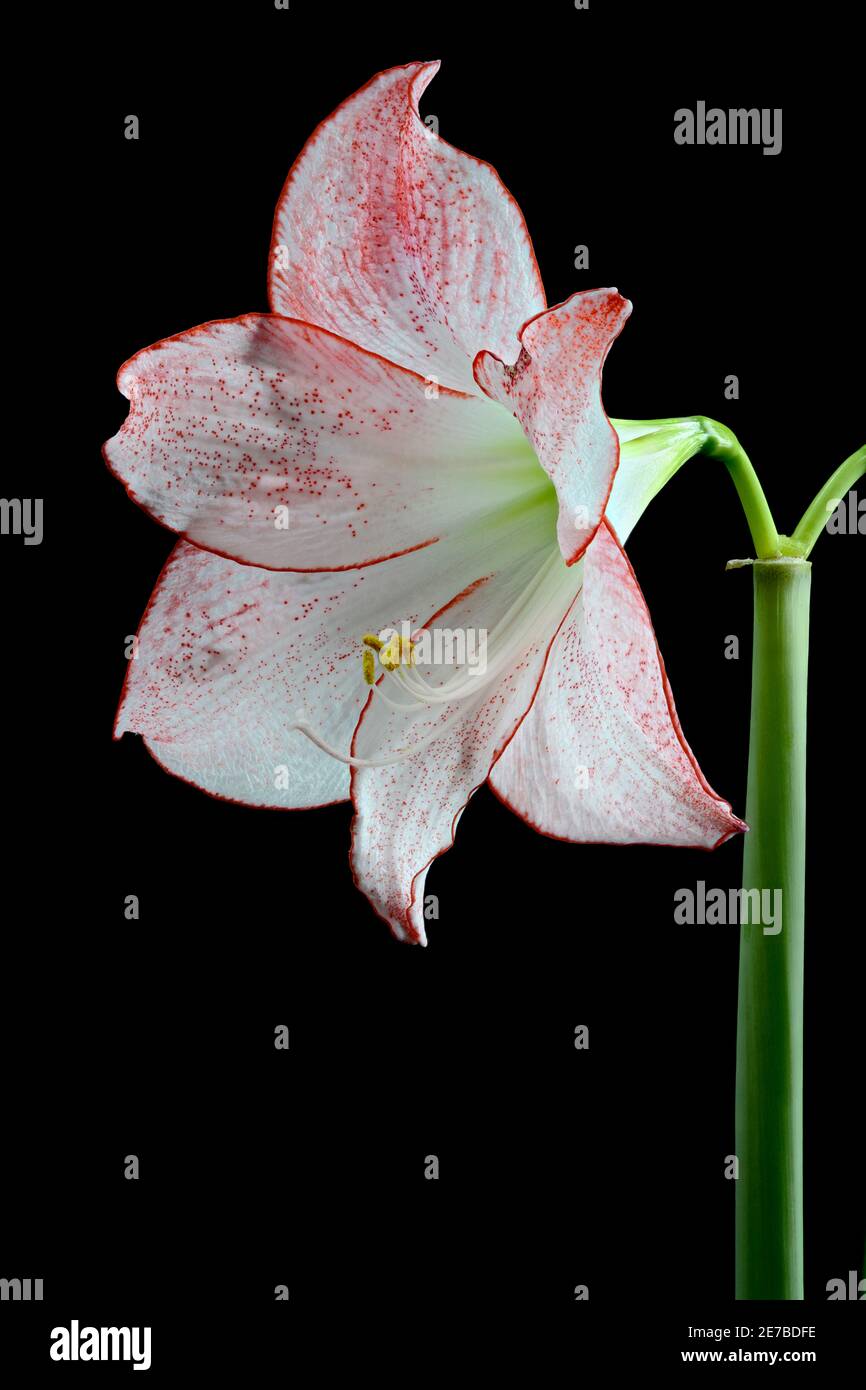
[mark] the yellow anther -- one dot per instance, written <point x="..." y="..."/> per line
<point x="390" y="653"/>
<point x="397" y="651"/>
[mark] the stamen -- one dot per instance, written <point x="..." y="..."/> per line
<point x="398" y="651"/>
<point x="508" y="635"/>
<point x="534" y="613"/>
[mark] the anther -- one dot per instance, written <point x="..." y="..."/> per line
<point x="397" y="651"/>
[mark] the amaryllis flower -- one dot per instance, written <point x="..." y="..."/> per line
<point x="410" y="442"/>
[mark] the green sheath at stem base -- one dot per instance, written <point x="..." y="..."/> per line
<point x="769" y="1106"/>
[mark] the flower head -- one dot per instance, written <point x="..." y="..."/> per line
<point x="406" y="463"/>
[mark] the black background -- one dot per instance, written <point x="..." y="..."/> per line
<point x="155" y="1037"/>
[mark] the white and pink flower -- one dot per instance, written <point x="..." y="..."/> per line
<point x="410" y="435"/>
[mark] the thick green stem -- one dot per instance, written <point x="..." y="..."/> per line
<point x="769" y="1103"/>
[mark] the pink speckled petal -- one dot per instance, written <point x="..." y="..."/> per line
<point x="397" y="240"/>
<point x="281" y="445"/>
<point x="227" y="654"/>
<point x="601" y="755"/>
<point x="554" y="390"/>
<point x="406" y="815"/>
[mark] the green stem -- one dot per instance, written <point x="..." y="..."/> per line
<point x="769" y="1091"/>
<point x="769" y="1099"/>
<point x="714" y="440"/>
<point x="814" y="519"/>
<point x="720" y="442"/>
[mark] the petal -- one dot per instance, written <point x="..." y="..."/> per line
<point x="650" y="453"/>
<point x="228" y="654"/>
<point x="283" y="446"/>
<point x="391" y="237"/>
<point x="601" y="755"/>
<point x="555" y="392"/>
<point x="220" y="668"/>
<point x="406" y="814"/>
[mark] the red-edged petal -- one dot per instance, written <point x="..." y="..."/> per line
<point x="392" y="237"/>
<point x="227" y="655"/>
<point x="281" y="445"/>
<point x="406" y="814"/>
<point x="601" y="755"/>
<point x="554" y="390"/>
